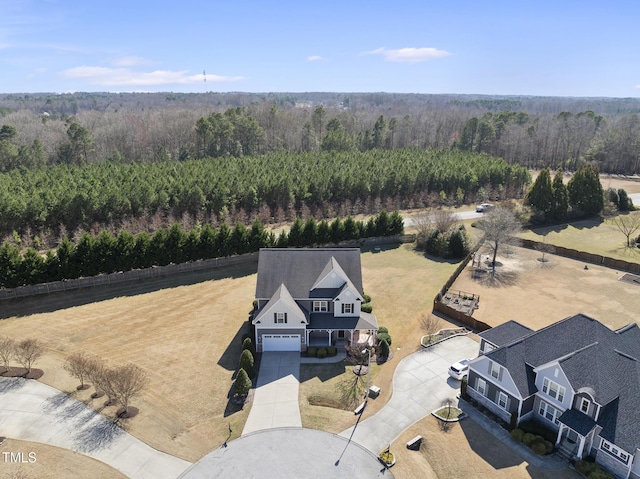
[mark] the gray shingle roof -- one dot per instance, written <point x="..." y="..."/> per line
<point x="328" y="321"/>
<point x="594" y="358"/>
<point x="506" y="333"/>
<point x="578" y="421"/>
<point x="299" y="269"/>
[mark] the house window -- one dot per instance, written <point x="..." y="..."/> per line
<point x="347" y="308"/>
<point x="502" y="400"/>
<point x="481" y="387"/>
<point x="549" y="412"/>
<point x="614" y="451"/>
<point x="281" y="318"/>
<point x="553" y="389"/>
<point x="320" y="307"/>
<point x="495" y="370"/>
<point x="584" y="405"/>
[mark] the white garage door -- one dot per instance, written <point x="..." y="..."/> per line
<point x="281" y="342"/>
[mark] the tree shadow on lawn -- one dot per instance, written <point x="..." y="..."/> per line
<point x="323" y="372"/>
<point x="47" y="303"/>
<point x="499" y="279"/>
<point x="231" y="355"/>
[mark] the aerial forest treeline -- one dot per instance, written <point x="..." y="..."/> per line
<point x="105" y="253"/>
<point x="536" y="132"/>
<point x="280" y="186"/>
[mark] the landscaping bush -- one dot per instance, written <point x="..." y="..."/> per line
<point x="463" y="386"/>
<point x="539" y="448"/>
<point x="332" y="351"/>
<point x="366" y="308"/>
<point x="242" y="384"/>
<point x="322" y="353"/>
<point x="248" y="344"/>
<point x="384" y="337"/>
<point x="246" y="362"/>
<point x="384" y="349"/>
<point x="311" y="352"/>
<point x="537" y="428"/>
<point x="528" y="438"/>
<point x="585" y="467"/>
<point x="517" y="434"/>
<point x="382" y="329"/>
<point x="366" y="298"/>
<point x="245" y="336"/>
<point x="548" y="447"/>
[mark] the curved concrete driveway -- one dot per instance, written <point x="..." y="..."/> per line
<point x="275" y="400"/>
<point x="420" y="383"/>
<point x="32" y="411"/>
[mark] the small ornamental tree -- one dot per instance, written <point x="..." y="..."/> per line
<point x="242" y="384"/>
<point x="248" y="345"/>
<point x="246" y="362"/>
<point x="384" y="349"/>
<point x="94" y="370"/>
<point x="77" y="365"/>
<point x="7" y="352"/>
<point x="127" y="382"/>
<point x="28" y="351"/>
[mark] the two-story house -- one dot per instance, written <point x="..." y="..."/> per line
<point x="576" y="376"/>
<point x="310" y="297"/>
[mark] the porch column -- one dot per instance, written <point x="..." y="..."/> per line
<point x="581" y="446"/>
<point x="330" y="331"/>
<point x="307" y="332"/>
<point x="351" y="336"/>
<point x="559" y="439"/>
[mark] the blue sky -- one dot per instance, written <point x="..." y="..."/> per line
<point x="549" y="48"/>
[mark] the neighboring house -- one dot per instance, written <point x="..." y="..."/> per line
<point x="576" y="376"/>
<point x="310" y="297"/>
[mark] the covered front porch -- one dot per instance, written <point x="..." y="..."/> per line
<point x="576" y="433"/>
<point x="340" y="338"/>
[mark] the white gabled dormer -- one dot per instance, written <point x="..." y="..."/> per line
<point x="331" y="277"/>
<point x="347" y="302"/>
<point x="281" y="311"/>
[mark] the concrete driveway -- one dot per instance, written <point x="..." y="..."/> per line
<point x="275" y="401"/>
<point x="33" y="411"/>
<point x="420" y="383"/>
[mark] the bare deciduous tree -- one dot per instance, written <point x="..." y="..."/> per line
<point x="94" y="370"/>
<point x="500" y="226"/>
<point x="7" y="351"/>
<point x="443" y="220"/>
<point x="28" y="351"/>
<point x="627" y="225"/>
<point x="430" y="323"/>
<point x="78" y="366"/>
<point x="127" y="382"/>
<point x="433" y="219"/>
<point x="105" y="382"/>
<point x="544" y="248"/>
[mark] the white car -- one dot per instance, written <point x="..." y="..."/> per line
<point x="460" y="369"/>
<point x="483" y="207"/>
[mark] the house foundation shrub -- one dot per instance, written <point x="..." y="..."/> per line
<point x="332" y="351"/>
<point x="528" y="439"/>
<point x="246" y="362"/>
<point x="322" y="353"/>
<point x="517" y="434"/>
<point x="312" y="351"/>
<point x="366" y="308"/>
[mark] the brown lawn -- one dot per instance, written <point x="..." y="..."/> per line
<point x="465" y="450"/>
<point x="185" y="336"/>
<point x="48" y="462"/>
<point x="538" y="294"/>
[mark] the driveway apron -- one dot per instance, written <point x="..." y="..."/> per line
<point x="32" y="411"/>
<point x="275" y="401"/>
<point x="421" y="383"/>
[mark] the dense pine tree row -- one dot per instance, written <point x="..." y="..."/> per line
<point x="108" y="193"/>
<point x="105" y="253"/>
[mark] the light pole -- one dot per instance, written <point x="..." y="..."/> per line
<point x="366" y="392"/>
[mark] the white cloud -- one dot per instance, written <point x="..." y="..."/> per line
<point x="130" y="61"/>
<point x="410" y="55"/>
<point x="123" y="76"/>
<point x="314" y="58"/>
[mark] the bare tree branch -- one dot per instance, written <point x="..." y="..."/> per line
<point x="28" y="351"/>
<point x="7" y="351"/>
<point x="78" y="365"/>
<point x="627" y="225"/>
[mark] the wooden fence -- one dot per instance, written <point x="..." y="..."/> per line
<point x="584" y="256"/>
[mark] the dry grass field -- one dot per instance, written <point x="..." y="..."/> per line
<point x="52" y="463"/>
<point x="538" y="294"/>
<point x="185" y="336"/>
<point x="465" y="450"/>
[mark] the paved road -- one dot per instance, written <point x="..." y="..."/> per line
<point x="289" y="453"/>
<point x="33" y="411"/>
<point x="275" y="401"/>
<point x="420" y="383"/>
<point x="460" y="215"/>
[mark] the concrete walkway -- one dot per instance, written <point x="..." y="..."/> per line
<point x="420" y="383"/>
<point x="275" y="401"/>
<point x="33" y="411"/>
